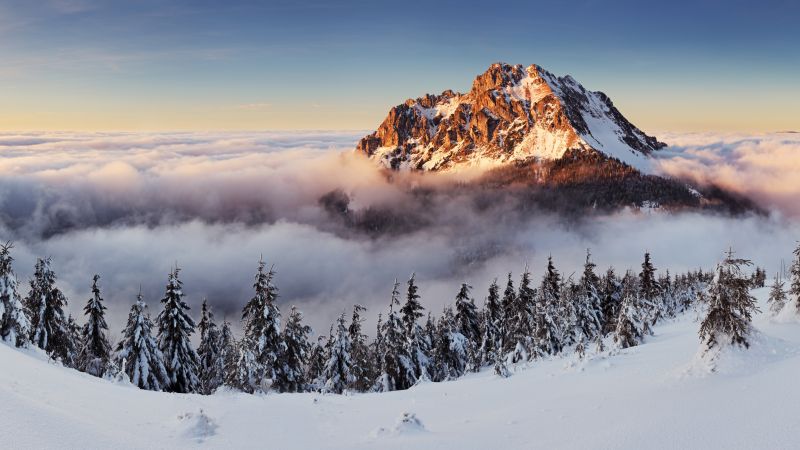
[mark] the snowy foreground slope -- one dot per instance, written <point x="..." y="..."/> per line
<point x="657" y="395"/>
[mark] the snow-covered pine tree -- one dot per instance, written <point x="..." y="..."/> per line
<point x="451" y="353"/>
<point x="244" y="374"/>
<point x="611" y="294"/>
<point x="175" y="328"/>
<point x="262" y="322"/>
<point x="227" y="350"/>
<point x="316" y="364"/>
<point x="209" y="352"/>
<point x="729" y="306"/>
<point x="417" y="347"/>
<point x="291" y="375"/>
<point x="777" y="296"/>
<point x="14" y="323"/>
<point x="362" y="379"/>
<point x="588" y="308"/>
<point x="546" y="321"/>
<point x="687" y="291"/>
<point x="518" y="315"/>
<point x="759" y="278"/>
<point x="468" y="324"/>
<point x="338" y="372"/>
<point x="397" y="369"/>
<point x="74" y="339"/>
<point x="45" y="306"/>
<point x="794" y="272"/>
<point x="492" y="343"/>
<point x="431" y="336"/>
<point x="667" y="296"/>
<point x="138" y="355"/>
<point x="650" y="291"/>
<point x="566" y="318"/>
<point x="376" y="350"/>
<point x="508" y="303"/>
<point x="631" y="322"/>
<point x="95" y="350"/>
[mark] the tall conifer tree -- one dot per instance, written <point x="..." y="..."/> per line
<point x="14" y="322"/>
<point x="175" y="329"/>
<point x="95" y="350"/>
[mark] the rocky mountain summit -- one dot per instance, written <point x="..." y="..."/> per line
<point x="543" y="143"/>
<point x="511" y="114"/>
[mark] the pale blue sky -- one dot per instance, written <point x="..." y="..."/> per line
<point x="84" y="64"/>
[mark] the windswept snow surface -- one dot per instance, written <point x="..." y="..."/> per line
<point x="651" y="396"/>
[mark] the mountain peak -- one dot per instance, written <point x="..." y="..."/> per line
<point x="512" y="113"/>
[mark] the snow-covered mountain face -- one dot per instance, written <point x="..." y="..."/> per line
<point x="511" y="114"/>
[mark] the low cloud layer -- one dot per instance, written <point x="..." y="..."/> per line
<point x="763" y="167"/>
<point x="130" y="205"/>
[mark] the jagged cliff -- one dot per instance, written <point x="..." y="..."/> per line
<point x="511" y="114"/>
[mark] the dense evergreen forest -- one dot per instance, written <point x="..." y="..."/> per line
<point x="519" y="321"/>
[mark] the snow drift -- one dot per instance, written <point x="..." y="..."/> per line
<point x="635" y="398"/>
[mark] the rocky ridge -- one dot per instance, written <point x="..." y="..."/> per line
<point x="511" y="114"/>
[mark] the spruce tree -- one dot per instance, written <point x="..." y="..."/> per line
<point x="451" y="353"/>
<point x="209" y="352"/>
<point x="631" y="322"/>
<point x="45" y="304"/>
<point x="468" y="324"/>
<point x="417" y="347"/>
<point x="338" y="372"/>
<point x="492" y="343"/>
<point x="95" y="350"/>
<point x="376" y="351"/>
<point x="566" y="313"/>
<point x="362" y="375"/>
<point x="316" y="364"/>
<point x="667" y="298"/>
<point x="649" y="291"/>
<point x="431" y="337"/>
<point x="588" y="307"/>
<point x="729" y="306"/>
<point x="74" y="340"/>
<point x="397" y="369"/>
<point x="546" y="321"/>
<point x="175" y="328"/>
<point x="794" y="273"/>
<point x="291" y="362"/>
<point x="138" y="355"/>
<point x="14" y="323"/>
<point x="777" y="296"/>
<point x="262" y="323"/>
<point x="519" y="318"/>
<point x="227" y="350"/>
<point x="510" y="317"/>
<point x="611" y="294"/>
<point x="244" y="373"/>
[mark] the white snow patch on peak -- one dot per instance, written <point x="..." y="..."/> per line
<point x="443" y="108"/>
<point x="606" y="135"/>
<point x="533" y="87"/>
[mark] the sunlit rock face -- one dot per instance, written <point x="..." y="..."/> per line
<point x="511" y="114"/>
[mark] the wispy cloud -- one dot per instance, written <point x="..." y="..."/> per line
<point x="763" y="167"/>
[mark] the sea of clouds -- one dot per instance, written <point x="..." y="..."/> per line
<point x="131" y="205"/>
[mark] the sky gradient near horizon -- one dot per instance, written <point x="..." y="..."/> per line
<point x="197" y="64"/>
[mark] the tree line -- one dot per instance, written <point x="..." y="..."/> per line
<point x="519" y="322"/>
